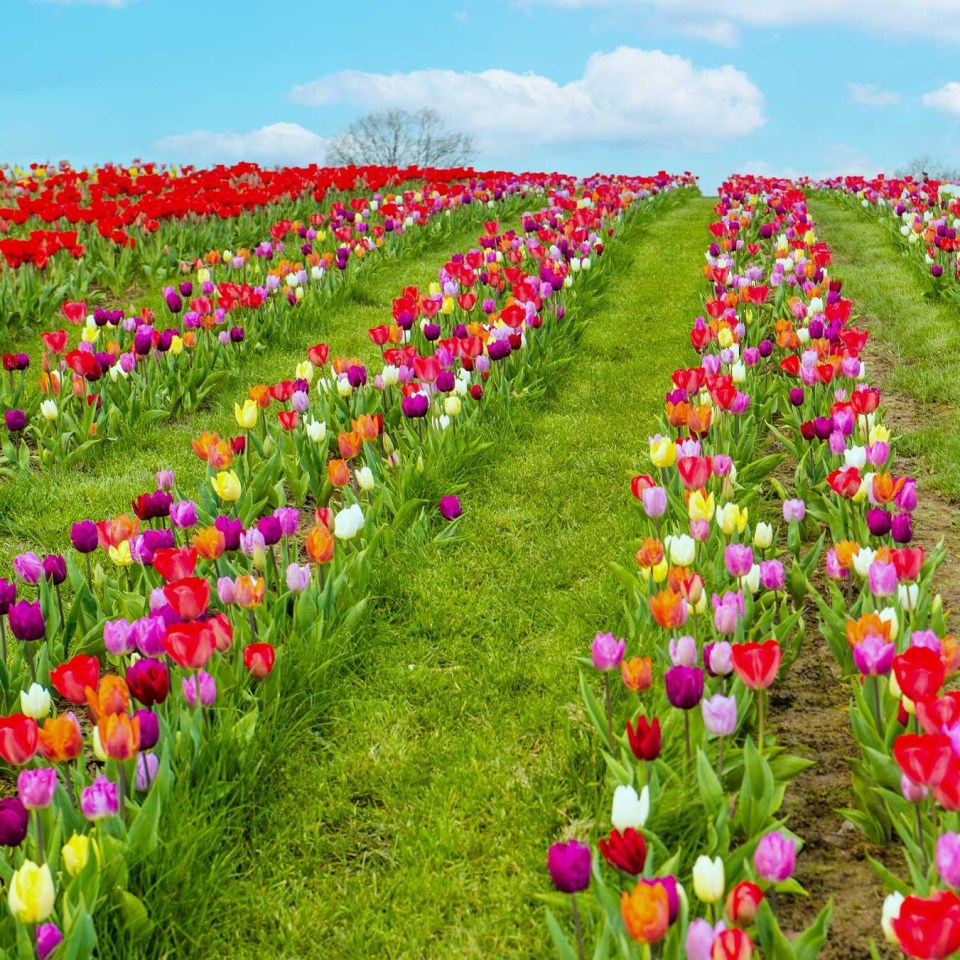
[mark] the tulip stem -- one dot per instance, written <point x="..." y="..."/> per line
<point x="921" y="839"/>
<point x="33" y="666"/>
<point x="876" y="705"/>
<point x="578" y="928"/>
<point x="606" y="696"/>
<point x="39" y="828"/>
<point x="720" y="762"/>
<point x="686" y="733"/>
<point x="123" y="791"/>
<point x="89" y="572"/>
<point x="3" y="639"/>
<point x="760" y="721"/>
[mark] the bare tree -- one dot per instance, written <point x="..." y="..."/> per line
<point x="928" y="168"/>
<point x="400" y="138"/>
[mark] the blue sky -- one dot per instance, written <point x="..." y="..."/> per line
<point x="809" y="86"/>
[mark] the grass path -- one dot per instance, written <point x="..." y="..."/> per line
<point x="416" y="824"/>
<point x="915" y="340"/>
<point x="36" y="512"/>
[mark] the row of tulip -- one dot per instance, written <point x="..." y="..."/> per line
<point x="923" y="217"/>
<point x="73" y="234"/>
<point x="152" y="365"/>
<point x="699" y="853"/>
<point x="164" y="635"/>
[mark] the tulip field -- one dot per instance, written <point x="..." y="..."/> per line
<point x="441" y="563"/>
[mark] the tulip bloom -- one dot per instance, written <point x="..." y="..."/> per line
<point x="26" y="620"/>
<point x="732" y="944"/>
<point x="645" y="740"/>
<point x="31" y="894"/>
<point x="646" y="912"/>
<point x="757" y="664"/>
<point x="669" y="609"/>
<point x="708" y="879"/>
<point x="948" y="858"/>
<point x="630" y="809"/>
<point x="774" y="857"/>
<point x="920" y="673"/>
<point x="719" y="714"/>
<point x="684" y="686"/>
<point x="929" y="927"/>
<point x="119" y="735"/>
<point x="188" y="597"/>
<point x="924" y="757"/>
<point x="99" y="800"/>
<point x="569" y="866"/>
<point x="606" y="651"/>
<point x="258" y="658"/>
<point x="627" y="851"/>
<point x="49" y="938"/>
<point x="207" y="685"/>
<point x="637" y="673"/>
<point x="19" y="736"/>
<point x="14" y="822"/>
<point x="450" y="507"/>
<point x="226" y="485"/>
<point x="36" y="788"/>
<point x="189" y="645"/>
<point x="149" y="681"/>
<point x="743" y="902"/>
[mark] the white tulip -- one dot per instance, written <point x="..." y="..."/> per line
<point x="630" y="809"/>
<point x="35" y="702"/>
<point x="365" y="478"/>
<point x="708" y="879"/>
<point x="348" y="523"/>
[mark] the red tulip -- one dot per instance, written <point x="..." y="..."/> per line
<point x="757" y="664"/>
<point x="934" y="715"/>
<point x="732" y="944"/>
<point x="72" y="678"/>
<point x="845" y="482"/>
<point x="190" y="645"/>
<point x="694" y="471"/>
<point x="19" y="736"/>
<point x="175" y="563"/>
<point x="920" y="673"/>
<point x="222" y="631"/>
<point x="55" y="341"/>
<point x="907" y="561"/>
<point x="947" y="791"/>
<point x="929" y="928"/>
<point x="646" y="740"/>
<point x="188" y="597"/>
<point x="75" y="311"/>
<point x="626" y="851"/>
<point x="743" y="901"/>
<point x="318" y="354"/>
<point x="287" y="419"/>
<point x="258" y="658"/>
<point x="923" y="757"/>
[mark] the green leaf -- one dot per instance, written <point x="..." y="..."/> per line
<point x="565" y="949"/>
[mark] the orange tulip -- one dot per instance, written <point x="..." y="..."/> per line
<point x="320" y="544"/>
<point x="678" y="413"/>
<point x="646" y="912"/>
<point x="111" y="533"/>
<point x="60" y="738"/>
<point x="885" y="488"/>
<point x="669" y="609"/>
<point x="350" y="444"/>
<point x="637" y="673"/>
<point x="249" y="591"/>
<point x="119" y="735"/>
<point x="651" y="553"/>
<point x="202" y="444"/>
<point x="869" y="623"/>
<point x="219" y="455"/>
<point x="368" y="426"/>
<point x="846" y="551"/>
<point x="699" y="419"/>
<point x="338" y="472"/>
<point x="111" y="698"/>
<point x="209" y="542"/>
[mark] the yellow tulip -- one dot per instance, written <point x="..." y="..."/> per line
<point x="76" y="852"/>
<point x="246" y="415"/>
<point x="120" y="554"/>
<point x="176" y="345"/>
<point x="226" y="485"/>
<point x="663" y="452"/>
<point x="732" y="518"/>
<point x="660" y="571"/>
<point x="701" y="507"/>
<point x="90" y="334"/>
<point x="31" y="894"/>
<point x="879" y="434"/>
<point x="725" y="337"/>
<point x="447" y="305"/>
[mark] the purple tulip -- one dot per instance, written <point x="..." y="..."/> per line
<point x="683" y="651"/>
<point x="14" y="820"/>
<point x="739" y="559"/>
<point x="83" y="536"/>
<point x="906" y="497"/>
<point x="912" y="792"/>
<point x="772" y="576"/>
<point x="298" y="577"/>
<point x="775" y="857"/>
<point x="878" y="521"/>
<point x="882" y="578"/>
<point x="149" y="728"/>
<point x="948" y="858"/>
<point x="450" y="507"/>
<point x="654" y="500"/>
<point x="148" y="633"/>
<point x="165" y="480"/>
<point x="119" y="637"/>
<point x="718" y="658"/>
<point x="684" y="686"/>
<point x="270" y="529"/>
<point x="415" y="406"/>
<point x="873" y="656"/>
<point x="55" y="568"/>
<point x="208" y="689"/>
<point x="36" y="787"/>
<point x="26" y="620"/>
<point x="719" y="714"/>
<point x="569" y="866"/>
<point x="16" y="420"/>
<point x="231" y="530"/>
<point x="727" y="611"/>
<point x="289" y="518"/>
<point x="100" y="799"/>
<point x="8" y="595"/>
<point x="607" y="651"/>
<point x="147" y="766"/>
<point x="49" y="938"/>
<point x="794" y="510"/>
<point x="700" y="937"/>
<point x="901" y="528"/>
<point x="28" y="567"/>
<point x="183" y="514"/>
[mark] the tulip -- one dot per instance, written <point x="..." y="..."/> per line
<point x="743" y="902"/>
<point x="148" y="765"/>
<point x="14" y="822"/>
<point x="36" y="788"/>
<point x="630" y="809"/>
<point x="258" y="658"/>
<point x="684" y="686"/>
<point x="920" y="673"/>
<point x="149" y="681"/>
<point x="708" y="879"/>
<point x="60" y="738"/>
<point x="189" y="645"/>
<point x="569" y="866"/>
<point x="774" y="857"/>
<point x="28" y="567"/>
<point x="757" y="664"/>
<point x="606" y="651"/>
<point x="18" y="739"/>
<point x="297" y="577"/>
<point x="732" y="944"/>
<point x="718" y="658"/>
<point x="247" y="415"/>
<point x="627" y="851"/>
<point x="49" y="938"/>
<point x="450" y="507"/>
<point x="31" y="893"/>
<point x="26" y="621"/>
<point x="637" y="673"/>
<point x="99" y="800"/>
<point x="188" y="597"/>
<point x="35" y="702"/>
<point x="794" y="510"/>
<point x="700" y="938"/>
<point x="720" y="714"/>
<point x="348" y="522"/>
<point x="208" y="689"/>
<point x="948" y="858"/>
<point x="683" y="651"/>
<point x="226" y="485"/>
<point x="645" y="740"/>
<point x="646" y="912"/>
<point x="119" y="735"/>
<point x="929" y="927"/>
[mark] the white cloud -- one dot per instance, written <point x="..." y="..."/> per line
<point x="946" y="98"/>
<point x="627" y="96"/>
<point x="276" y="143"/>
<point x="927" y="18"/>
<point x="870" y="95"/>
<point x="721" y="32"/>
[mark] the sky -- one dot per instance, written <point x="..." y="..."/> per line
<point x="816" y="87"/>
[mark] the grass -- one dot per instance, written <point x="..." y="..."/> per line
<point x="919" y="338"/>
<point x="36" y="512"/>
<point x="414" y="821"/>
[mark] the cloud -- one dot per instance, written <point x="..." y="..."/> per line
<point x="870" y="95"/>
<point x="628" y="96"/>
<point x="276" y="143"/>
<point x="839" y="161"/>
<point x="927" y="18"/>
<point x="721" y="32"/>
<point x="946" y="98"/>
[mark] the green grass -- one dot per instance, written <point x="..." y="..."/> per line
<point x="918" y="338"/>
<point x="414" y="822"/>
<point x="36" y="511"/>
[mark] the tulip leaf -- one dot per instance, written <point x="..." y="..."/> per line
<point x="565" y="949"/>
<point x="711" y="790"/>
<point x="809" y="944"/>
<point x="135" y="917"/>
